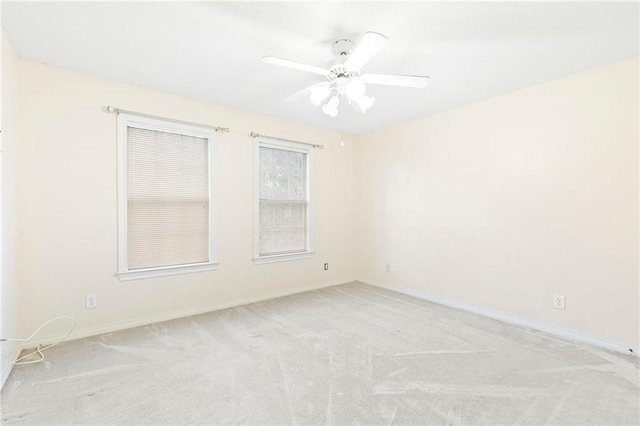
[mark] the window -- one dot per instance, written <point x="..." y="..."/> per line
<point x="165" y="204"/>
<point x="283" y="225"/>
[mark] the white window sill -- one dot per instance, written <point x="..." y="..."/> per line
<point x="282" y="257"/>
<point x="141" y="274"/>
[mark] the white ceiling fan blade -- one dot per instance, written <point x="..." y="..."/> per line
<point x="417" y="81"/>
<point x="297" y="95"/>
<point x="296" y="65"/>
<point x="370" y="44"/>
<point x="306" y="92"/>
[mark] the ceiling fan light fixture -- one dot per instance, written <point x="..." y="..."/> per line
<point x="331" y="107"/>
<point x="364" y="102"/>
<point x="355" y="89"/>
<point x="319" y="94"/>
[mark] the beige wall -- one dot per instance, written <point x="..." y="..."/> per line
<point x="499" y="204"/>
<point x="67" y="174"/>
<point x="503" y="203"/>
<point x="8" y="192"/>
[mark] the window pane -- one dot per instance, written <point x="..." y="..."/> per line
<point x="266" y="186"/>
<point x="280" y="187"/>
<point x="285" y="229"/>
<point x="296" y="188"/>
<point x="281" y="161"/>
<point x="296" y="163"/>
<point x="266" y="159"/>
<point x="282" y="201"/>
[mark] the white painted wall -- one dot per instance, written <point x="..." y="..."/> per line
<point x="503" y="203"/>
<point x="67" y="206"/>
<point x="8" y="197"/>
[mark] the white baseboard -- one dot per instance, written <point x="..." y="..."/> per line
<point x="512" y="319"/>
<point x="186" y="313"/>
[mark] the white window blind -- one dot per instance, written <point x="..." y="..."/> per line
<point x="283" y="207"/>
<point x="165" y="199"/>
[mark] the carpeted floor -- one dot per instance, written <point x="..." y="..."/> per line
<point x="350" y="354"/>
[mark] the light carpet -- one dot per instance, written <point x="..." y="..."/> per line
<point x="349" y="354"/>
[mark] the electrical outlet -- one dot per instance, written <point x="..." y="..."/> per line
<point x="326" y="266"/>
<point x="91" y="301"/>
<point x="558" y="302"/>
<point x="387" y="268"/>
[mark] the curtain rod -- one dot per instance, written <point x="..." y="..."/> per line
<point x="118" y="111"/>
<point x="256" y="135"/>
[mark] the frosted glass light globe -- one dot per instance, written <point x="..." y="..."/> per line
<point x="319" y="93"/>
<point x="331" y="107"/>
<point x="355" y="89"/>
<point x="365" y="102"/>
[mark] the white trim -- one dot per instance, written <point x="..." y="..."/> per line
<point x="275" y="143"/>
<point x="512" y="319"/>
<point x="123" y="121"/>
<point x="165" y="270"/>
<point x="290" y="146"/>
<point x="122" y="191"/>
<point x="182" y="314"/>
<point x="283" y="257"/>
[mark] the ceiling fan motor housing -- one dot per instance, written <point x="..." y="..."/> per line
<point x="339" y="73"/>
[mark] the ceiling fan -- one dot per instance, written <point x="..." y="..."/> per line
<point x="344" y="77"/>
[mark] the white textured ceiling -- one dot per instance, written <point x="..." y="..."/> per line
<point x="213" y="50"/>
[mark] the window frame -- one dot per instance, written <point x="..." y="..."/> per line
<point x="263" y="141"/>
<point x="124" y="121"/>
